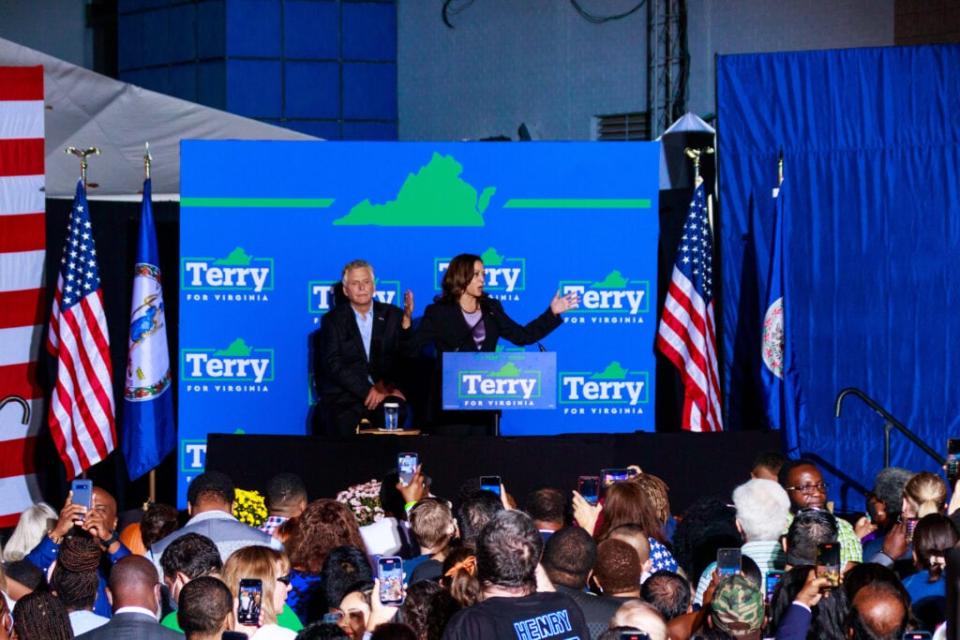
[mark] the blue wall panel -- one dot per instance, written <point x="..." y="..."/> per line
<point x="253" y="88"/>
<point x="369" y="130"/>
<point x="131" y="41"/>
<point x="276" y="60"/>
<point x="253" y="28"/>
<point x="311" y="29"/>
<point x="325" y="130"/>
<point x="370" y="91"/>
<point x="369" y="31"/>
<point x="212" y="27"/>
<point x="181" y="33"/>
<point x="212" y="84"/>
<point x="312" y="90"/>
<point x="182" y="81"/>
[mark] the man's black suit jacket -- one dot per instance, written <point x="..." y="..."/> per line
<point x="343" y="365"/>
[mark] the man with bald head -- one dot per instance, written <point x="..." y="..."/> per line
<point x="878" y="612"/>
<point x="134" y="593"/>
<point x="100" y="523"/>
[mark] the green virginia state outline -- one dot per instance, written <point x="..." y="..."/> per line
<point x="237" y="348"/>
<point x="613" y="372"/>
<point x="434" y="196"/>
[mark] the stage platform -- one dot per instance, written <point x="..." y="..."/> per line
<point x="693" y="464"/>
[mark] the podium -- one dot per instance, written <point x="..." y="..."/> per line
<point x="494" y="381"/>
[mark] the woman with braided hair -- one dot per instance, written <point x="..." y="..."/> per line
<point x="74" y="581"/>
<point x="40" y="616"/>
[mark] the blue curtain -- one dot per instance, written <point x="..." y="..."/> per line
<point x="871" y="145"/>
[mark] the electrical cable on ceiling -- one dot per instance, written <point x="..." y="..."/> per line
<point x="595" y="19"/>
<point x="447" y="11"/>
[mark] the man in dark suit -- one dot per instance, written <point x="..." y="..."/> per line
<point x="134" y="592"/>
<point x="360" y="342"/>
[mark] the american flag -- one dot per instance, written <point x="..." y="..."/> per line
<point x="81" y="409"/>
<point x="687" y="334"/>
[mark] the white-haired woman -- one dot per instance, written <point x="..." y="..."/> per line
<point x="35" y="523"/>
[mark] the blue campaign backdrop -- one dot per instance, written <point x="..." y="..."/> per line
<point x="267" y="226"/>
<point x="871" y="146"/>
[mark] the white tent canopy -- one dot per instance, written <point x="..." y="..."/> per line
<point x="86" y="109"/>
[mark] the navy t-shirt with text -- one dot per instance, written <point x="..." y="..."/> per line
<point x="539" y="616"/>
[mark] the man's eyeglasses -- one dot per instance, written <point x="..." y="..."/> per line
<point x="809" y="488"/>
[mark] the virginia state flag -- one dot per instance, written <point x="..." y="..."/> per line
<point x="149" y="433"/>
<point x="784" y="401"/>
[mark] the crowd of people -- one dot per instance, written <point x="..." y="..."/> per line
<point x="483" y="566"/>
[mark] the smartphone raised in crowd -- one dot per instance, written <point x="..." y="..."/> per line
<point x="953" y="460"/>
<point x="773" y="579"/>
<point x="609" y="476"/>
<point x="490" y="483"/>
<point x="828" y="562"/>
<point x="249" y="597"/>
<point x="589" y="488"/>
<point x="728" y="562"/>
<point x="390" y="574"/>
<point x="82" y="492"/>
<point x="407" y="466"/>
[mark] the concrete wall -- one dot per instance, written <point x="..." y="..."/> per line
<point x="513" y="61"/>
<point x="55" y="27"/>
<point x="753" y="26"/>
<point x="539" y="62"/>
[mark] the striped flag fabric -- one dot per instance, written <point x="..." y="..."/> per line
<point x="81" y="407"/>
<point x="22" y="255"/>
<point x="687" y="332"/>
<point x="149" y="434"/>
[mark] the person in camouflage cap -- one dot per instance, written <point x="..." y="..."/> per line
<point x="737" y="608"/>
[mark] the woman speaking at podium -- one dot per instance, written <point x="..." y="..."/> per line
<point x="464" y="318"/>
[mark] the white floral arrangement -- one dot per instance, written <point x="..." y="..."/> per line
<point x="364" y="501"/>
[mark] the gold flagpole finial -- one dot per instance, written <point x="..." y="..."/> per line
<point x="82" y="154"/>
<point x="695" y="154"/>
<point x="147" y="159"/>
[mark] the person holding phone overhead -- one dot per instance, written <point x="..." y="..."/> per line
<point x="464" y="318"/>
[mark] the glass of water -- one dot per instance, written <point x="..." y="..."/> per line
<point x="391" y="416"/>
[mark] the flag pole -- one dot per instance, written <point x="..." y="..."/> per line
<point x="82" y="154"/>
<point x="152" y="476"/>
<point x="695" y="154"/>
